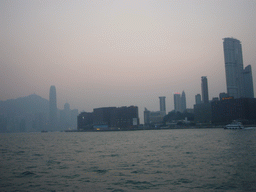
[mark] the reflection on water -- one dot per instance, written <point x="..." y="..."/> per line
<point x="177" y="160"/>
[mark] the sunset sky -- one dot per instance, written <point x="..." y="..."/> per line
<point x="120" y="53"/>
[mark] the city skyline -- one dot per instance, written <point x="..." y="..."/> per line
<point x="120" y="53"/>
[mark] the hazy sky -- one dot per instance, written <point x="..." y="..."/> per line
<point x="120" y="53"/>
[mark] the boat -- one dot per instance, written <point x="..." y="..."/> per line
<point x="234" y="125"/>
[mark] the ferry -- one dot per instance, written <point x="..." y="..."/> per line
<point x="234" y="125"/>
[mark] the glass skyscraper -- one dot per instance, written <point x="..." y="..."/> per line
<point x="204" y="89"/>
<point x="234" y="67"/>
<point x="239" y="80"/>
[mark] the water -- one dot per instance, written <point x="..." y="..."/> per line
<point x="152" y="160"/>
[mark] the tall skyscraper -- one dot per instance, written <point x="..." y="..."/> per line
<point x="198" y="99"/>
<point x="204" y="89"/>
<point x="177" y="102"/>
<point x="183" y="103"/>
<point x="248" y="82"/>
<point x="162" y="104"/>
<point x="234" y="67"/>
<point x="52" y="108"/>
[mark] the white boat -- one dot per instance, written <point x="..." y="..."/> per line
<point x="234" y="125"/>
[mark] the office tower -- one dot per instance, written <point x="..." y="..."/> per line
<point x="52" y="108"/>
<point x="177" y="103"/>
<point x="234" y="67"/>
<point x="248" y="82"/>
<point x="162" y="104"/>
<point x="198" y="99"/>
<point x="204" y="89"/>
<point x="183" y="104"/>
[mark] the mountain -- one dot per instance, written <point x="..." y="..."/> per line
<point x="23" y="114"/>
<point x="29" y="104"/>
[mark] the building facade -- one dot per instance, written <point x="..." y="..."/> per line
<point x="198" y="99"/>
<point x="68" y="118"/>
<point x="183" y="103"/>
<point x="227" y="110"/>
<point x="239" y="81"/>
<point x="52" y="109"/>
<point x="162" y="104"/>
<point x="204" y="89"/>
<point x="107" y="118"/>
<point x="233" y="67"/>
<point x="85" y="121"/>
<point x="177" y="102"/>
<point x="203" y="113"/>
<point x="248" y="82"/>
<point x="153" y="117"/>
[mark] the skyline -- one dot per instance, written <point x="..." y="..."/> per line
<point x="119" y="53"/>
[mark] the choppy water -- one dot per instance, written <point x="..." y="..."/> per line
<point x="155" y="160"/>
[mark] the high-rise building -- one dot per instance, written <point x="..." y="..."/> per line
<point x="198" y="99"/>
<point x="239" y="80"/>
<point x="177" y="102"/>
<point x="183" y="104"/>
<point x="248" y="82"/>
<point x="52" y="108"/>
<point x="162" y="104"/>
<point x="234" y="67"/>
<point x="204" y="89"/>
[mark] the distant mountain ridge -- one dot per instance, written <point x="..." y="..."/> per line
<point x="29" y="104"/>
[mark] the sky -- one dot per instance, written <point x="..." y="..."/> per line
<point x="103" y="53"/>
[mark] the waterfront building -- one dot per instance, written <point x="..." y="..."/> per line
<point x="85" y="121"/>
<point x="248" y="82"/>
<point x="204" y="89"/>
<point x="177" y="102"/>
<point x="125" y="117"/>
<point x="234" y="67"/>
<point x="202" y="113"/>
<point x="229" y="109"/>
<point x="101" y="117"/>
<point x="162" y="104"/>
<point x="153" y="117"/>
<point x="107" y="118"/>
<point x="239" y="81"/>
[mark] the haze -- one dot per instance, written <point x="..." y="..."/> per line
<point x="120" y="53"/>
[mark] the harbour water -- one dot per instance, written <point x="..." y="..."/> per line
<point x="149" y="160"/>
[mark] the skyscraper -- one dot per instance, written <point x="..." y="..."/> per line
<point x="198" y="99"/>
<point x="204" y="89"/>
<point x="248" y="82"/>
<point x="177" y="103"/>
<point x="52" y="108"/>
<point x="183" y="104"/>
<point x="234" y="67"/>
<point x="162" y="104"/>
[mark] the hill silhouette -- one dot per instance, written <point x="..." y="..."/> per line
<point x="28" y="113"/>
<point x="29" y="104"/>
